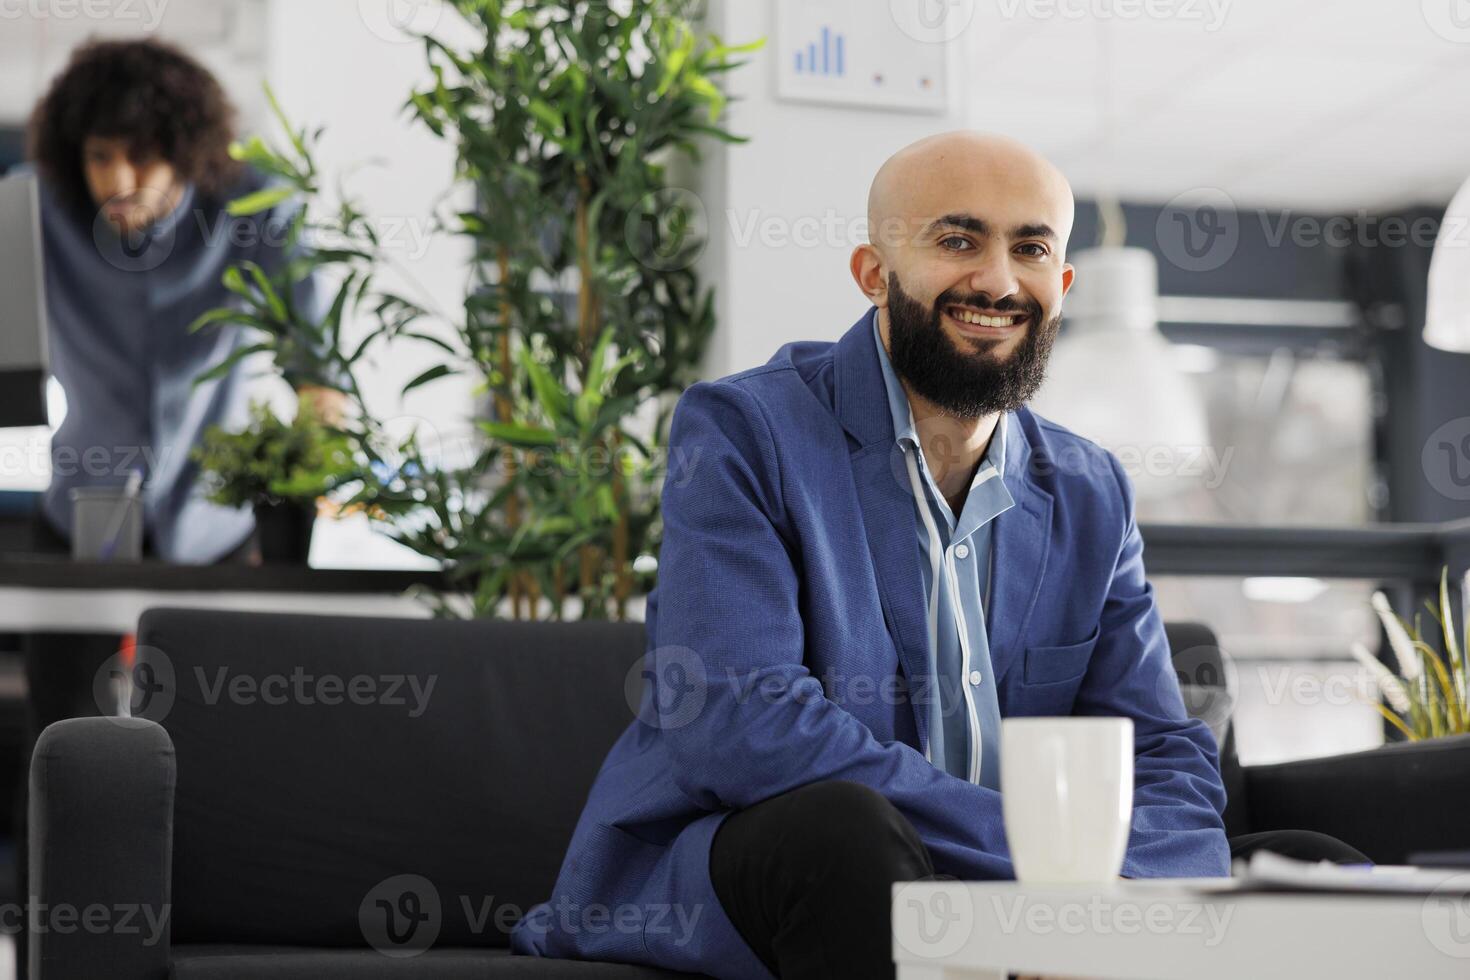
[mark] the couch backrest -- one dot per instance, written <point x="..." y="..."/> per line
<point x="320" y="756"/>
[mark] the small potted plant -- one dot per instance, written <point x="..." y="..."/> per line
<point x="1429" y="695"/>
<point x="279" y="469"/>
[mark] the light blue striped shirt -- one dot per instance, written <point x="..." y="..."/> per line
<point x="964" y="715"/>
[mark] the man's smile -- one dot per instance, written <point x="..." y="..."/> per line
<point x="985" y="323"/>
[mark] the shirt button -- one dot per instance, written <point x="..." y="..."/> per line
<point x="962" y="551"/>
<point x="975" y="678"/>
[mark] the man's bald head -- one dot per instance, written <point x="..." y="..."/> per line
<point x="956" y="172"/>
<point x="966" y="262"/>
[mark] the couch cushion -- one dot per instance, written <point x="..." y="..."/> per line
<point x="287" y="963"/>
<point x="458" y="774"/>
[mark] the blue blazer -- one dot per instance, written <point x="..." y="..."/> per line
<point x="789" y="623"/>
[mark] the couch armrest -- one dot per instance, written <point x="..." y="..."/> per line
<point x="101" y="845"/>
<point x="1389" y="802"/>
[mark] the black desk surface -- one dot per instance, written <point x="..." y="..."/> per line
<point x="46" y="572"/>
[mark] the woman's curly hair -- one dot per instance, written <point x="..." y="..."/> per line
<point x="148" y="94"/>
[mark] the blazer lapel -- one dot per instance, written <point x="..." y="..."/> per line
<point x="860" y="402"/>
<point x="1019" y="541"/>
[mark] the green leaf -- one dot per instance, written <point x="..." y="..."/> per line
<point x="549" y="117"/>
<point x="261" y="200"/>
<point x="517" y="434"/>
<point x="433" y="374"/>
<point x="549" y="394"/>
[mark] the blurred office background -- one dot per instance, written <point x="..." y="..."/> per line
<point x="1264" y="151"/>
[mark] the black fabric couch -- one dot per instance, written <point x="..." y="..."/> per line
<point x="281" y="837"/>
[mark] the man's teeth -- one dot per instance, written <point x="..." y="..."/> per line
<point x="981" y="320"/>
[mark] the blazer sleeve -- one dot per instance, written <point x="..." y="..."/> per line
<point x="1178" y="796"/>
<point x="744" y="718"/>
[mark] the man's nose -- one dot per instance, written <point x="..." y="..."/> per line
<point x="994" y="277"/>
<point x="122" y="179"/>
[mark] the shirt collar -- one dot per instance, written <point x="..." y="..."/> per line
<point x="904" y="430"/>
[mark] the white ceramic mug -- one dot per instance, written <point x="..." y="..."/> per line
<point x="1066" y="787"/>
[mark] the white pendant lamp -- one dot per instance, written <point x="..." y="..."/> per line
<point x="1112" y="376"/>
<point x="1447" y="307"/>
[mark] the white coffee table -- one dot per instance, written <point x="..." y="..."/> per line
<point x="1170" y="930"/>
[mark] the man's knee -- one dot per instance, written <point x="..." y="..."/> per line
<point x="848" y="825"/>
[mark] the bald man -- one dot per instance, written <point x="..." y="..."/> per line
<point x="877" y="553"/>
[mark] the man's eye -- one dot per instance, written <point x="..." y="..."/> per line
<point x="955" y="243"/>
<point x="1038" y="253"/>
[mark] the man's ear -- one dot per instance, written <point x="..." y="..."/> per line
<point x="867" y="271"/>
<point x="1068" y="274"/>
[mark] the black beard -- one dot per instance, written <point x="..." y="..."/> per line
<point x="966" y="384"/>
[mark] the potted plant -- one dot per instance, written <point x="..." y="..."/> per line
<point x="583" y="317"/>
<point x="1427" y="696"/>
<point x="279" y="469"/>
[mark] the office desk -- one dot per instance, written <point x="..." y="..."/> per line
<point x="39" y="594"/>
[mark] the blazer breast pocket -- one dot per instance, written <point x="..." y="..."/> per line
<point x="1051" y="665"/>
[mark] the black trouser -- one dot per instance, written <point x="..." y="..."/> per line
<point x="806" y="876"/>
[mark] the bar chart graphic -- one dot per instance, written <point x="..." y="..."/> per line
<point x="855" y="53"/>
<point x="825" y="56"/>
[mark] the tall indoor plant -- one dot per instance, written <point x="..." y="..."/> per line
<point x="582" y="319"/>
<point x="582" y="311"/>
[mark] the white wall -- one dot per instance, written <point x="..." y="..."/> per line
<point x="337" y="65"/>
<point x="804" y="175"/>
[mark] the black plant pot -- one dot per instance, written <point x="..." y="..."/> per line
<point x="283" y="531"/>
